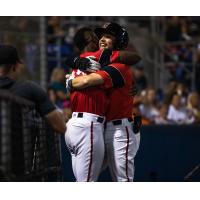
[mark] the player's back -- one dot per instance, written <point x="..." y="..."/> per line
<point x="120" y="99"/>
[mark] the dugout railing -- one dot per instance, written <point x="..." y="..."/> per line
<point x="29" y="148"/>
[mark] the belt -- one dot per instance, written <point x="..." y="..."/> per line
<point x="99" y="119"/>
<point x="119" y="121"/>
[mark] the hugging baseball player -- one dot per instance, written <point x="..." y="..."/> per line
<point x="85" y="135"/>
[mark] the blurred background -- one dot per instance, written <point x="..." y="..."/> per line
<point x="169" y="46"/>
<point x="167" y="79"/>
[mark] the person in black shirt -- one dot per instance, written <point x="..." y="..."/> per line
<point x="9" y="67"/>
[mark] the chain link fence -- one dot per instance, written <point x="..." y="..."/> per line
<point x="44" y="43"/>
<point x="24" y="33"/>
<point x="29" y="148"/>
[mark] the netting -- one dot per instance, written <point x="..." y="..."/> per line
<point x="29" y="148"/>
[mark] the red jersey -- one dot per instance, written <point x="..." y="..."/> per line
<point x="93" y="99"/>
<point x="120" y="101"/>
<point x="97" y="55"/>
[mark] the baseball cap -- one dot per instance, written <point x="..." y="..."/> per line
<point x="9" y="55"/>
<point x="114" y="29"/>
<point x="110" y="28"/>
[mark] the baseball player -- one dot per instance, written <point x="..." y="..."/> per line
<point x="121" y="143"/>
<point x="88" y="105"/>
<point x="84" y="136"/>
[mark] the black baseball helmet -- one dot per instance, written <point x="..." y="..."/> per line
<point x="117" y="31"/>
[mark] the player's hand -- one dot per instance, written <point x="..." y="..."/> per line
<point x="87" y="64"/>
<point x="137" y="123"/>
<point x="69" y="79"/>
<point x="93" y="65"/>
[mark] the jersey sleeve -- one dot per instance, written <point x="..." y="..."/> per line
<point x="103" y="56"/>
<point x="96" y="54"/>
<point x="107" y="56"/>
<point x="107" y="79"/>
<point x="113" y="75"/>
<point x="114" y="57"/>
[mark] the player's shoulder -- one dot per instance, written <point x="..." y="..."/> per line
<point x="120" y="66"/>
<point x="30" y="83"/>
<point x="114" y="56"/>
<point x="30" y="86"/>
<point x="124" y="70"/>
<point x="95" y="54"/>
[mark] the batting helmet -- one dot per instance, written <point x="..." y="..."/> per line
<point x="117" y="31"/>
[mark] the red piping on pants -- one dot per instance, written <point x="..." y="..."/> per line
<point x="91" y="152"/>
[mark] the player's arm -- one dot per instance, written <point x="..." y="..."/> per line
<point x="46" y="108"/>
<point x="90" y="80"/>
<point x="126" y="57"/>
<point x="82" y="63"/>
<point x="109" y="77"/>
<point x="56" y="120"/>
<point x="107" y="56"/>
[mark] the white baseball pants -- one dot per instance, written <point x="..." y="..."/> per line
<point x="121" y="145"/>
<point x="85" y="140"/>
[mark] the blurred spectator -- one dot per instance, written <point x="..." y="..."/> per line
<point x="58" y="75"/>
<point x="136" y="112"/>
<point x="31" y="57"/>
<point x="58" y="48"/>
<point x="170" y="90"/>
<point x="162" y="117"/>
<point x="182" y="91"/>
<point x="60" y="99"/>
<point x="197" y="66"/>
<point x="186" y="53"/>
<point x="140" y="77"/>
<point x="176" y="29"/>
<point x="149" y="108"/>
<point x="57" y="92"/>
<point x="176" y="87"/>
<point x="57" y="86"/>
<point x="193" y="105"/>
<point x="55" y="29"/>
<point x="177" y="113"/>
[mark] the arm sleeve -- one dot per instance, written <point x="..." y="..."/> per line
<point x="107" y="79"/>
<point x="104" y="56"/>
<point x="108" y="56"/>
<point x="112" y="76"/>
<point x="115" y="57"/>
